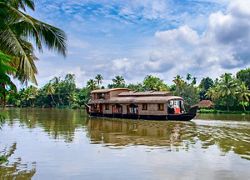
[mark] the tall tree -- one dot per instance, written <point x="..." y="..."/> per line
<point x="243" y="95"/>
<point x="205" y="84"/>
<point x="6" y="84"/>
<point x="154" y="83"/>
<point x="99" y="79"/>
<point x="189" y="77"/>
<point x="244" y="75"/>
<point x="17" y="32"/>
<point x="212" y="93"/>
<point x="188" y="91"/>
<point x="118" y="82"/>
<point x="50" y="91"/>
<point x="91" y="84"/>
<point x="227" y="88"/>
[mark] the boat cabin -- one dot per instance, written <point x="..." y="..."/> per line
<point x="121" y="102"/>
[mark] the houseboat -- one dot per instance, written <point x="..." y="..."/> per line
<point x="123" y="103"/>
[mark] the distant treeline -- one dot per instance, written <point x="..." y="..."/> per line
<point x="228" y="92"/>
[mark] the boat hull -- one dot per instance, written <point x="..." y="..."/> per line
<point x="172" y="117"/>
<point x="179" y="117"/>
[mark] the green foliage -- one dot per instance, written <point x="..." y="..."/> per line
<point x="56" y="93"/>
<point x="152" y="83"/>
<point x="226" y="92"/>
<point x="6" y="84"/>
<point x="229" y="92"/>
<point x="187" y="90"/>
<point x="136" y="87"/>
<point x="7" y="154"/>
<point x="3" y="159"/>
<point x="2" y="118"/>
<point x="19" y="33"/>
<point x="244" y="76"/>
<point x="205" y="84"/>
<point x="92" y="85"/>
<point x="99" y="79"/>
<point x="117" y="82"/>
<point x="215" y="111"/>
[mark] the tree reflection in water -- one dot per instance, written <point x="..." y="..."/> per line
<point x="58" y="123"/>
<point x="15" y="170"/>
<point x="173" y="135"/>
<point x="149" y="133"/>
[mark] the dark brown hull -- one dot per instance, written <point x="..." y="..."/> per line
<point x="172" y="117"/>
<point x="179" y="117"/>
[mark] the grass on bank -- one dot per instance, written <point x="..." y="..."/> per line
<point x="215" y="111"/>
<point x="3" y="159"/>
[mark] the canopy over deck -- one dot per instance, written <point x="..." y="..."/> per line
<point x="108" y="90"/>
<point x="147" y="93"/>
<point x="136" y="100"/>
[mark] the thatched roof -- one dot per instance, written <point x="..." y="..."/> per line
<point x="147" y="93"/>
<point x="108" y="90"/>
<point x="129" y="100"/>
<point x="205" y="104"/>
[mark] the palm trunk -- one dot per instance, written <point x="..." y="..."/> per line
<point x="244" y="108"/>
<point x="227" y="104"/>
<point x="52" y="99"/>
<point x="60" y="100"/>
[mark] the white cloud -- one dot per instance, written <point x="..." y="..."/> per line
<point x="184" y="35"/>
<point x="123" y="65"/>
<point x="223" y="46"/>
<point x="196" y="41"/>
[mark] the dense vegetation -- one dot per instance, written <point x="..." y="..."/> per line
<point x="228" y="92"/>
<point x="20" y="34"/>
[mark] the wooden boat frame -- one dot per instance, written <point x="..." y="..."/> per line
<point x="119" y="102"/>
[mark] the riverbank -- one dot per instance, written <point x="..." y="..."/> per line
<point x="201" y="111"/>
<point x="215" y="111"/>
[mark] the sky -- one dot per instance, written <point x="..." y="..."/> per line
<point x="135" y="38"/>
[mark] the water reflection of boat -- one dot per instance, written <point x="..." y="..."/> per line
<point x="123" y="103"/>
<point x="128" y="132"/>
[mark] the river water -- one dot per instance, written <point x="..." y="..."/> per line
<point x="66" y="144"/>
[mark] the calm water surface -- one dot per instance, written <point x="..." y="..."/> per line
<point x="66" y="144"/>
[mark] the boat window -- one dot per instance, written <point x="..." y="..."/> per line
<point x="160" y="107"/>
<point x="132" y="109"/>
<point x="100" y="96"/>
<point x="106" y="106"/>
<point x="117" y="108"/>
<point x="144" y="107"/>
<point x="176" y="107"/>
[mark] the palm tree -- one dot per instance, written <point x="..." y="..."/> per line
<point x="56" y="84"/>
<point x="18" y="30"/>
<point x="227" y="87"/>
<point x="118" y="81"/>
<point x="91" y="84"/>
<point x="189" y="76"/>
<point x="212" y="93"/>
<point x="6" y="83"/>
<point x="154" y="83"/>
<point x="50" y="90"/>
<point x="179" y="82"/>
<point x="243" y="95"/>
<point x="29" y="95"/>
<point x="194" y="80"/>
<point x="99" y="79"/>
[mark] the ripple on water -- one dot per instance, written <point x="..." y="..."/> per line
<point x="64" y="142"/>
